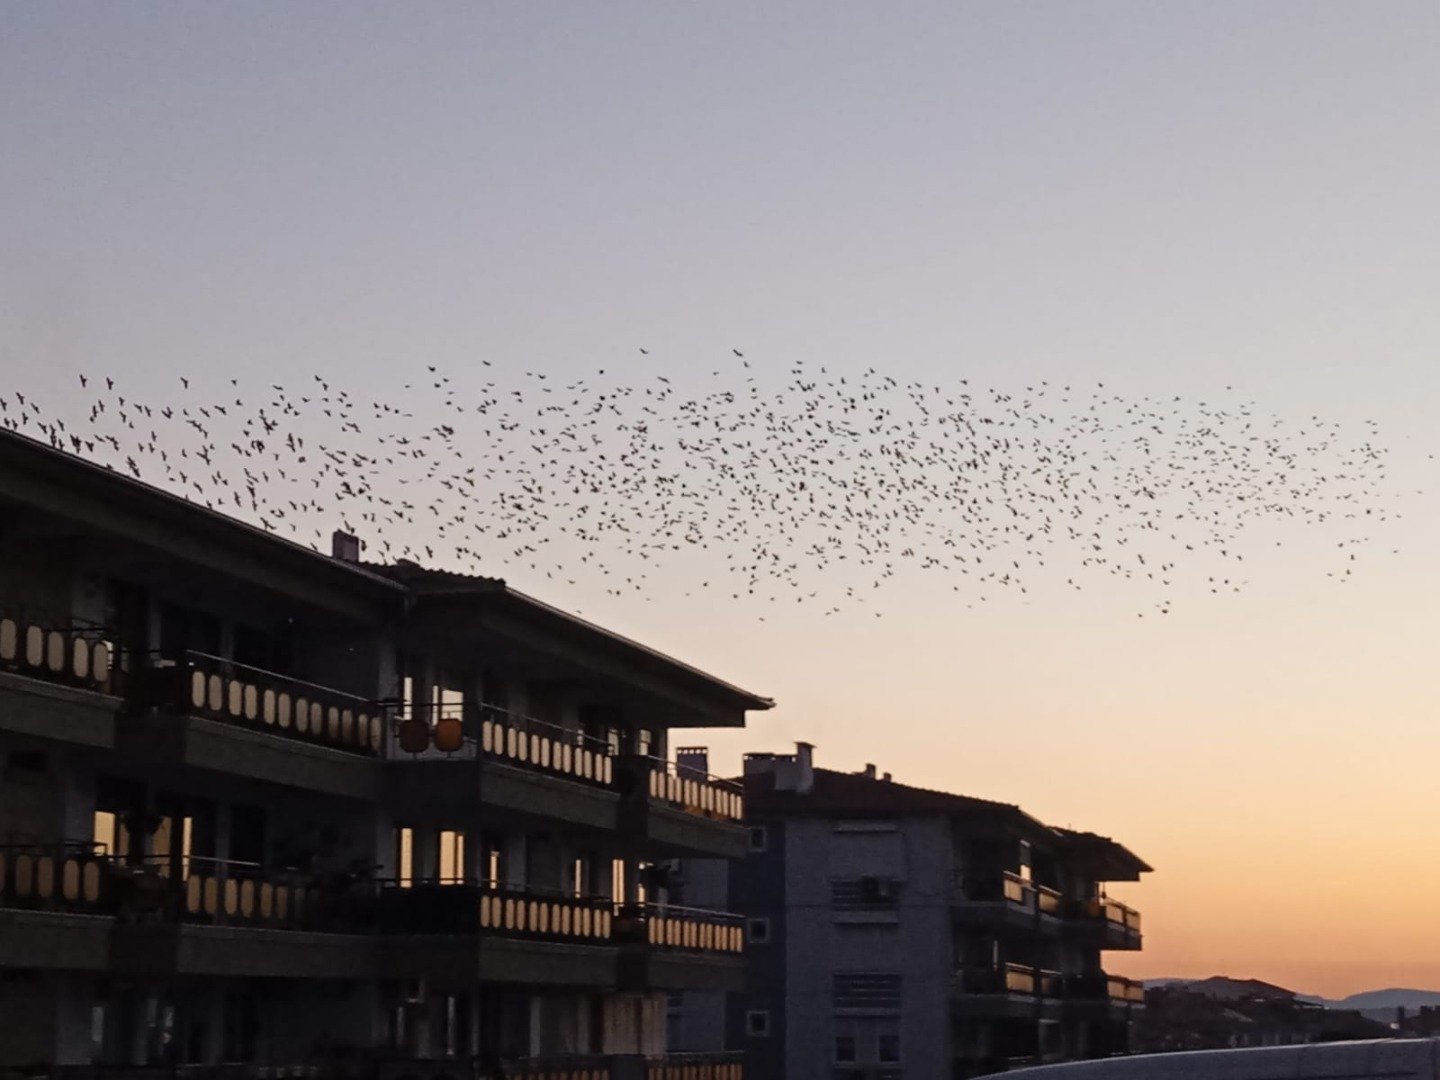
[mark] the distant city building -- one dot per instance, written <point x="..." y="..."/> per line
<point x="296" y="815"/>
<point x="1222" y="1013"/>
<point x="895" y="931"/>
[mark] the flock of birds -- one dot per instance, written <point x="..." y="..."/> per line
<point x="808" y="484"/>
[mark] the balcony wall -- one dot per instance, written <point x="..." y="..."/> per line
<point x="680" y="812"/>
<point x="1106" y="923"/>
<point x="58" y="684"/>
<point x="56" y="908"/>
<point x="210" y="713"/>
<point x="674" y="948"/>
<point x="516" y="765"/>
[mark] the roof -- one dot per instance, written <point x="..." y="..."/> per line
<point x="854" y="795"/>
<point x="38" y="460"/>
<point x="425" y="582"/>
<point x="167" y="516"/>
<point x="859" y="795"/>
<point x="1108" y="855"/>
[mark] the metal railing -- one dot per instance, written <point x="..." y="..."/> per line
<point x="693" y="791"/>
<point x="83" y="657"/>
<point x="220" y="689"/>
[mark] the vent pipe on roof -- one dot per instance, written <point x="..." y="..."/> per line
<point x="345" y="547"/>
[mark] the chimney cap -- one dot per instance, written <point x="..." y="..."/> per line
<point x="345" y="546"/>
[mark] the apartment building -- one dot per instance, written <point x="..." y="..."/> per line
<point x="287" y="813"/>
<point x="898" y="932"/>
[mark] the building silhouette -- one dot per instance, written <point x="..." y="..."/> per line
<point x="895" y="931"/>
<point x="299" y="815"/>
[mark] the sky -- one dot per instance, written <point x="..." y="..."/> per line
<point x="1169" y="199"/>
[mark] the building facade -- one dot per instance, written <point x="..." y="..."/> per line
<point x="265" y="807"/>
<point x="894" y="932"/>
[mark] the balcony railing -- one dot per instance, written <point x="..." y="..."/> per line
<point x="1111" y="913"/>
<point x="219" y="689"/>
<point x="1049" y="901"/>
<point x="571" y="1068"/>
<point x="1103" y="987"/>
<point x="229" y="892"/>
<point x="1006" y="979"/>
<point x="726" y="1065"/>
<point x="1118" y="988"/>
<point x="467" y="907"/>
<point x="723" y="1065"/>
<point x="56" y="877"/>
<point x="441" y="732"/>
<point x="83" y="658"/>
<point x="690" y="929"/>
<point x="694" y="792"/>
<point x="1008" y="888"/>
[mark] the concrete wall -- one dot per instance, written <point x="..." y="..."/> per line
<point x="915" y="943"/>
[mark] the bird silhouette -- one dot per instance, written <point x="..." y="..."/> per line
<point x="817" y="485"/>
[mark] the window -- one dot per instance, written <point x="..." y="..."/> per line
<point x="759" y="838"/>
<point x="887" y="1049"/>
<point x="866" y="991"/>
<point x="405" y="857"/>
<point x="110" y="832"/>
<point x="844" y="1049"/>
<point x="864" y="893"/>
<point x="757" y="931"/>
<point x="757" y="1023"/>
<point x="452" y="856"/>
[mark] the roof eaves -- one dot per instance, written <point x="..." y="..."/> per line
<point x="176" y="504"/>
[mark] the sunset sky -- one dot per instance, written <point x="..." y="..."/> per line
<point x="1167" y="199"/>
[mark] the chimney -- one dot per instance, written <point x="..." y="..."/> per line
<point x="693" y="762"/>
<point x="345" y="547"/>
<point x="869" y="771"/>
<point x="804" y="767"/>
<point x="886" y="778"/>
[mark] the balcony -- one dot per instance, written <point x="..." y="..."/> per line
<point x="213" y="713"/>
<point x="721" y="1065"/>
<point x="205" y="916"/>
<point x="1007" y="991"/>
<point x="676" y="948"/>
<point x="1104" y="995"/>
<point x="1108" y="923"/>
<point x="1005" y="901"/>
<point x="64" y="682"/>
<point x="680" y="809"/>
<point x="460" y="753"/>
<point x="515" y="934"/>
<point x="55" y="906"/>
